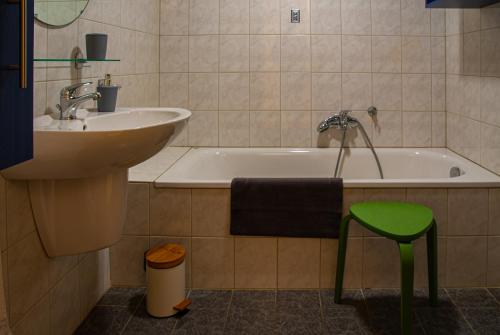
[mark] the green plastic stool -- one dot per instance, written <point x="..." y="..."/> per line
<point x="403" y="223"/>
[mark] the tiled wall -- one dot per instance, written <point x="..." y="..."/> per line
<point x="473" y="84"/>
<point x="133" y="37"/>
<point x="44" y="295"/>
<point x="468" y="228"/>
<point x="252" y="78"/>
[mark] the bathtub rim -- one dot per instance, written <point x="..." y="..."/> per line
<point x="487" y="180"/>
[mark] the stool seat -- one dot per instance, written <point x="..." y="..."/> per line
<point x="398" y="221"/>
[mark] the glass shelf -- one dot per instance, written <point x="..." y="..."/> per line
<point x="74" y="60"/>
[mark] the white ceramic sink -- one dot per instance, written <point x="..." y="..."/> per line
<point x="96" y="143"/>
<point x="79" y="174"/>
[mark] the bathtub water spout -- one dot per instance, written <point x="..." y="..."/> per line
<point x="344" y="121"/>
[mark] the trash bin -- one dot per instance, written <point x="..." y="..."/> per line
<point x="166" y="280"/>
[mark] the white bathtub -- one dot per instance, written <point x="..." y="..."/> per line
<point x="403" y="168"/>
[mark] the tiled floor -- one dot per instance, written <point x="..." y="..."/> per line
<point x="461" y="311"/>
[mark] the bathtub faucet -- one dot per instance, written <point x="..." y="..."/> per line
<point x="344" y="121"/>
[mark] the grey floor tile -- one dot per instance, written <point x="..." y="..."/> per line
<point x="298" y="299"/>
<point x="342" y="324"/>
<point x="350" y="299"/>
<point x="201" y="321"/>
<point x="254" y="299"/>
<point x="483" y="320"/>
<point x="210" y="299"/>
<point x="122" y="296"/>
<point x="142" y="323"/>
<point x="443" y="321"/>
<point x="105" y="320"/>
<point x="472" y="297"/>
<point x="252" y="321"/>
<point x="496" y="293"/>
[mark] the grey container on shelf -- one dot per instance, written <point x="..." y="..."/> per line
<point x="107" y="102"/>
<point x="97" y="45"/>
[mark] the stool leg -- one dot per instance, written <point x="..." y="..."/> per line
<point x="339" y="279"/>
<point x="432" y="264"/>
<point x="406" y="253"/>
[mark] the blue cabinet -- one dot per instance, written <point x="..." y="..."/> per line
<point x="16" y="81"/>
<point x="459" y="3"/>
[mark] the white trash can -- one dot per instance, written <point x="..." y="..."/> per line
<point x="166" y="280"/>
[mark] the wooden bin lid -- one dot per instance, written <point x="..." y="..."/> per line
<point x="165" y="256"/>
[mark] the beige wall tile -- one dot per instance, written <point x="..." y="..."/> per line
<point x="174" y="88"/>
<point x="467" y="212"/>
<point x="203" y="129"/>
<point x="174" y="17"/>
<point x="65" y="305"/>
<point x="493" y="274"/>
<point x="234" y="91"/>
<point x="203" y="91"/>
<point x="415" y="18"/>
<point x="204" y="53"/>
<point x="417" y="92"/>
<point x="350" y="197"/>
<point x="265" y="91"/>
<point x="387" y="130"/>
<point x="472" y="58"/>
<point x="490" y="147"/>
<point x="454" y="54"/>
<point x="466" y="261"/>
<point x="174" y="53"/>
<point x="490" y="100"/>
<point x="356" y="90"/>
<point x="438" y="97"/>
<point x="353" y="266"/>
<point x="494" y="212"/>
<point x="386" y="54"/>
<point x="326" y="53"/>
<point x="137" y="221"/>
<point x="185" y="242"/>
<point x="212" y="262"/>
<point x="296" y="129"/>
<point x="256" y="261"/>
<point x="325" y="17"/>
<point x="234" y="16"/>
<point x="265" y="128"/>
<point x="356" y="53"/>
<point x="439" y="129"/>
<point x="298" y="262"/>
<point x="265" y="16"/>
<point x="37" y="321"/>
<point x="417" y="129"/>
<point x="127" y="261"/>
<point x="387" y="91"/>
<point x="265" y="53"/>
<point x="296" y="53"/>
<point x="20" y="220"/>
<point x="326" y="91"/>
<point x="356" y="17"/>
<point x="170" y="212"/>
<point x="490" y="52"/>
<point x="93" y="276"/>
<point x="386" y="15"/>
<point x="438" y="21"/>
<point x="211" y="212"/>
<point x="435" y="199"/>
<point x="304" y="27"/>
<point x="438" y="54"/>
<point x="416" y="54"/>
<point x="234" y="53"/>
<point x="60" y="266"/>
<point x="203" y="17"/>
<point x="28" y="270"/>
<point x="296" y="91"/>
<point x="381" y="265"/>
<point x="234" y="129"/>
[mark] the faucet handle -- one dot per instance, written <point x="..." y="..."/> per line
<point x="70" y="90"/>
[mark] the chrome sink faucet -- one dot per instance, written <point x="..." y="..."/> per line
<point x="344" y="121"/>
<point x="69" y="103"/>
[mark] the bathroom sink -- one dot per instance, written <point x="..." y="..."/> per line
<point x="97" y="143"/>
<point x="78" y="178"/>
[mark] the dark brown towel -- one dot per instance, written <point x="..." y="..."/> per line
<point x="298" y="207"/>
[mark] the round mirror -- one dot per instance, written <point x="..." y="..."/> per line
<point x="59" y="13"/>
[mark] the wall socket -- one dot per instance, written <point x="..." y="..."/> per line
<point x="295" y="16"/>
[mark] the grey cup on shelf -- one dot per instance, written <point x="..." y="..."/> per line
<point x="97" y="45"/>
